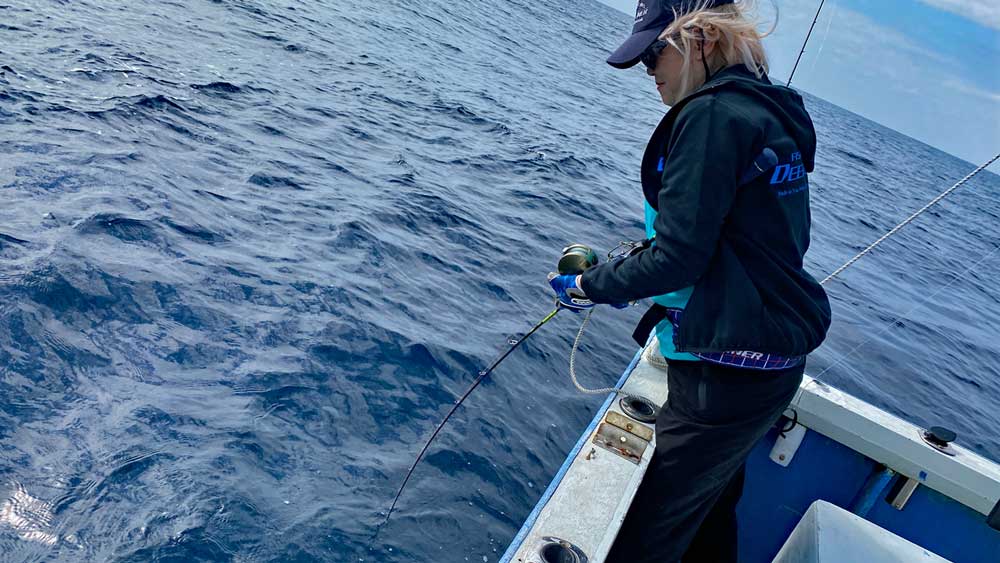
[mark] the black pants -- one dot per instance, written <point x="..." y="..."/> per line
<point x="685" y="509"/>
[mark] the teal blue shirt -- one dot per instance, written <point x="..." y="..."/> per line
<point x="674" y="300"/>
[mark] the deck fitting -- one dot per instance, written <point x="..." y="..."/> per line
<point x="639" y="408"/>
<point x="621" y="442"/>
<point x="556" y="550"/>
<point x="940" y="439"/>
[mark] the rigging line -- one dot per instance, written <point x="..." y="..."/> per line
<point x="799" y="58"/>
<point x="906" y="315"/>
<point x="906" y="221"/>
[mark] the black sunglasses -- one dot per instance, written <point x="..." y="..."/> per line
<point x="652" y="53"/>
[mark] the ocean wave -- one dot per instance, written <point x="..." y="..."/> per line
<point x="249" y="260"/>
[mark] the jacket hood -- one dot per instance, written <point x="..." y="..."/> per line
<point x="784" y="103"/>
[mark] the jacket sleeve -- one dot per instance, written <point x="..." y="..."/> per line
<point x="708" y="149"/>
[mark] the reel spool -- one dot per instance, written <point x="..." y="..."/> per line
<point x="576" y="258"/>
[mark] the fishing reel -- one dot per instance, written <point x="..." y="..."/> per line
<point x="578" y="257"/>
<point x="575" y="259"/>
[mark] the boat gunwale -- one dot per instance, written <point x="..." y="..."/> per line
<point x="966" y="477"/>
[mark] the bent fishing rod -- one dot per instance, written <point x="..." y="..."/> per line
<point x="514" y="343"/>
<point x="580" y="259"/>
<point x="575" y="259"/>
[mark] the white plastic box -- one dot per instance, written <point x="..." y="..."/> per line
<point x="830" y="534"/>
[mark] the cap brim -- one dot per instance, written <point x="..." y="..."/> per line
<point x="627" y="55"/>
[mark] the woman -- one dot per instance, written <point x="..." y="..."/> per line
<point x="735" y="311"/>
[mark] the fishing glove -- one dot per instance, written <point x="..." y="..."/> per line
<point x="568" y="292"/>
<point x="570" y="295"/>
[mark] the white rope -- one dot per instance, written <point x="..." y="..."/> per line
<point x="572" y="362"/>
<point x="572" y="366"/>
<point x="908" y="220"/>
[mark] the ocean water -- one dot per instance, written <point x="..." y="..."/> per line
<point x="250" y="252"/>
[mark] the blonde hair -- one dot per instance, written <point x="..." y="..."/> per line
<point x="733" y="28"/>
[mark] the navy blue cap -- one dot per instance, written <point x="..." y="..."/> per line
<point x="651" y="18"/>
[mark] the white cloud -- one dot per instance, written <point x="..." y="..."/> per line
<point x="966" y="88"/>
<point x="986" y="12"/>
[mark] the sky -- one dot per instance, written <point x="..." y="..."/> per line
<point x="929" y="69"/>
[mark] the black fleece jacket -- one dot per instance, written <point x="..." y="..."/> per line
<point x="740" y="246"/>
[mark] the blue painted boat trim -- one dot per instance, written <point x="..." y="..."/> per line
<point x="515" y="544"/>
<point x="873" y="489"/>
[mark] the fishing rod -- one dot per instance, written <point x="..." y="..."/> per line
<point x="580" y="257"/>
<point x="514" y="343"/>
<point x="797" y="59"/>
<point x="893" y="231"/>
<point x="882" y="239"/>
<point x="909" y="219"/>
<point x="575" y="259"/>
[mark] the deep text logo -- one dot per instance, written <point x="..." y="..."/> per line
<point x="790" y="178"/>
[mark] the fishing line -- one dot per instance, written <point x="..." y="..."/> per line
<point x="572" y="361"/>
<point x="909" y="219"/>
<point x="906" y="315"/>
<point x="572" y="365"/>
<point x="799" y="58"/>
<point x="822" y="43"/>
<point x="882" y="239"/>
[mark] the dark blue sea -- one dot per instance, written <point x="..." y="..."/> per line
<point x="250" y="253"/>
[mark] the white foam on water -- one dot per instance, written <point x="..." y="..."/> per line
<point x="29" y="516"/>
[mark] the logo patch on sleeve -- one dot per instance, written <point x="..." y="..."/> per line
<point x="790" y="178"/>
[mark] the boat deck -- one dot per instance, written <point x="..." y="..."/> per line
<point x="852" y="455"/>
